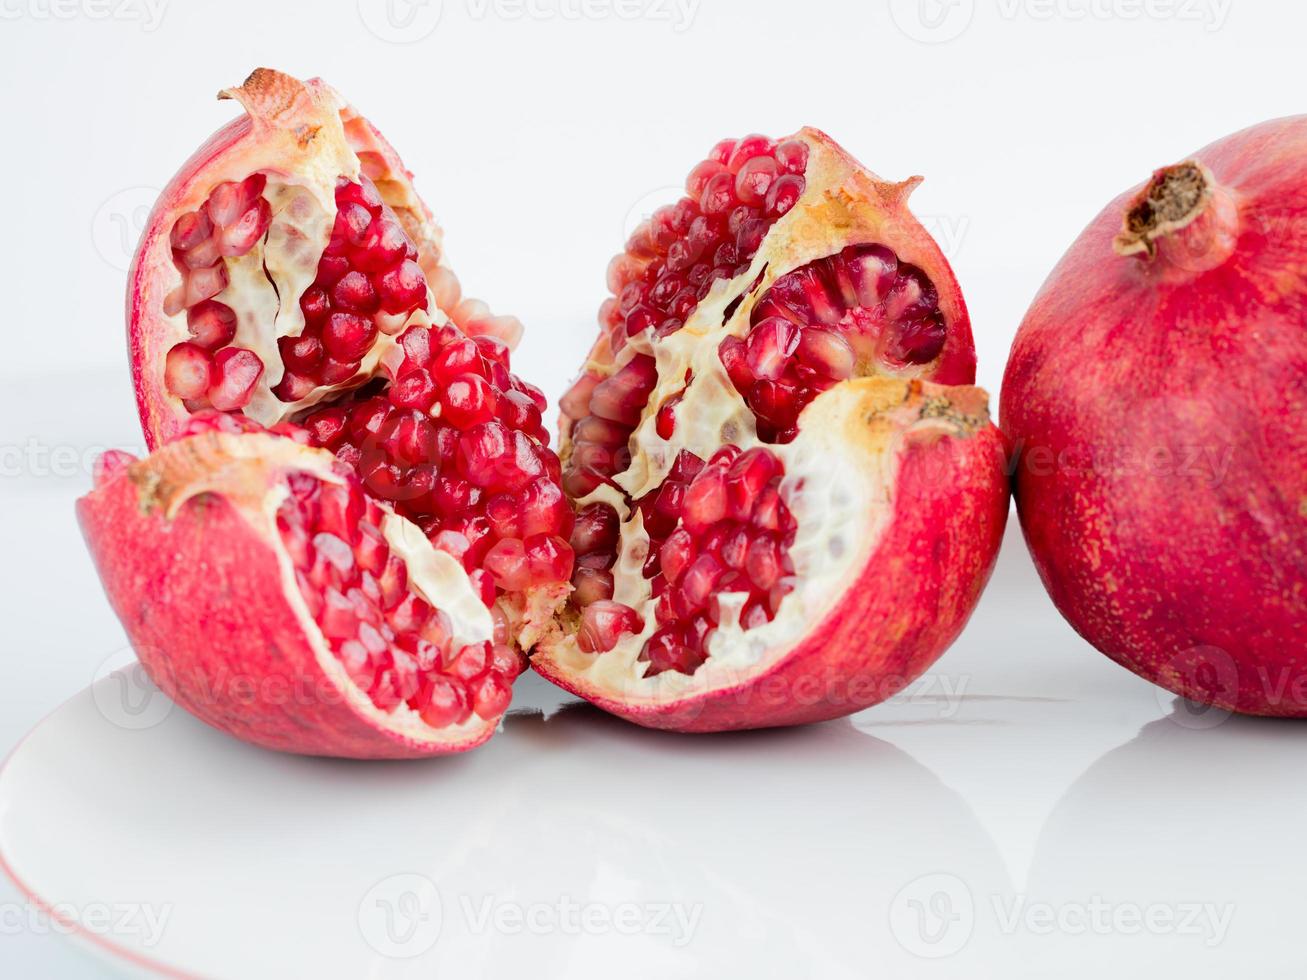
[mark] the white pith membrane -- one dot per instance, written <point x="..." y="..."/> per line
<point x="435" y="576"/>
<point x="836" y="487"/>
<point x="266" y="284"/>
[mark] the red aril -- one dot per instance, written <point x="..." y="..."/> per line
<point x="1155" y="393"/>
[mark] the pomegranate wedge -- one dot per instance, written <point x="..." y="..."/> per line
<point x="282" y="262"/>
<point x="780" y="519"/>
<point x="269" y="595"/>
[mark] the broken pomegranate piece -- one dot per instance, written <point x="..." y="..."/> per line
<point x="283" y="280"/>
<point x="238" y="557"/>
<point x="746" y="448"/>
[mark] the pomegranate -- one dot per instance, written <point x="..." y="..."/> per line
<point x="783" y="512"/>
<point x="290" y="283"/>
<point x="335" y="313"/>
<point x="1155" y="393"/>
<point x="269" y="594"/>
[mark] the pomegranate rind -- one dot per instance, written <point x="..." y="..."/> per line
<point x="185" y="546"/>
<point x="925" y="553"/>
<point x="1157" y="405"/>
<point x="305" y="134"/>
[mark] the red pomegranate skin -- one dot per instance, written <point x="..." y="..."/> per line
<point x="217" y="634"/>
<point x="1157" y="405"/>
<point x="911" y="599"/>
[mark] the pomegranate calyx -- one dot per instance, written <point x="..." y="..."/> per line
<point x="1182" y="217"/>
<point x="274" y="100"/>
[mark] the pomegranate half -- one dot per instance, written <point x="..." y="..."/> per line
<point x="781" y="516"/>
<point x="1155" y="394"/>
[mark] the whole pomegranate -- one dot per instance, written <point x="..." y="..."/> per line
<point x="1155" y="394"/>
<point x="288" y="304"/>
<point x="784" y="512"/>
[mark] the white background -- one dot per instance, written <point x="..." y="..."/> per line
<point x="539" y="132"/>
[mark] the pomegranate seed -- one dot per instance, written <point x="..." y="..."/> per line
<point x="186" y="371"/>
<point x="490" y="695"/>
<point x="718" y="196"/>
<point x="239" y="236"/>
<point x="235" y="373"/>
<point x="507" y="562"/>
<point x="348" y="336"/>
<point x="676" y="554"/>
<point x="403" y="288"/>
<point x="782" y="195"/>
<point x="700" y="176"/>
<point x="383" y="244"/>
<point x="443" y="701"/>
<point x="354" y="292"/>
<point x="705" y="500"/>
<point x="467" y="400"/>
<point x="591" y="585"/>
<point x="190" y="230"/>
<point x="792" y="156"/>
<point x="668" y="651"/>
<point x="414" y="390"/>
<point x="604" y="622"/>
<point x="204" y="283"/>
<point x="763" y="562"/>
<point x="751" y="146"/>
<point x="754" y="179"/>
<point x="769" y="346"/>
<point x="549" y="558"/>
<point x="596" y="529"/>
<point x="827" y="353"/>
<point x="919" y="341"/>
<point x="212" y="324"/>
<point x="622" y="397"/>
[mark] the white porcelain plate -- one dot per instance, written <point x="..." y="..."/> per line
<point x="1027" y="810"/>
